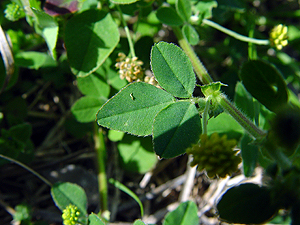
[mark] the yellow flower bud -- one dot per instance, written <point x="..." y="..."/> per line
<point x="71" y="215"/>
<point x="278" y="36"/>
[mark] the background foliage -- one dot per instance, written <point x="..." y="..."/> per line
<point x="64" y="71"/>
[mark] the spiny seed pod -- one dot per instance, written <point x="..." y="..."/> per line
<point x="71" y="215"/>
<point x="278" y="36"/>
<point x="215" y="154"/>
<point x="130" y="68"/>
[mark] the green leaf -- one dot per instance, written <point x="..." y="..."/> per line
<point x="249" y="152"/>
<point x="15" y="143"/>
<point x="184" y="9"/>
<point x="95" y="220"/>
<point x="113" y="79"/>
<point x="86" y="108"/>
<point x="190" y="34"/>
<point x="111" y="75"/>
<point x="77" y="129"/>
<point x="281" y="219"/>
<point x="49" y="29"/>
<point x="123" y="1"/>
<point x="175" y="128"/>
<point x="138" y="222"/>
<point x="232" y="5"/>
<point x="225" y="124"/>
<point x="169" y="16"/>
<point x="93" y="85"/>
<point x="265" y="83"/>
<point x="35" y="4"/>
<point x="249" y="155"/>
<point x="67" y="193"/>
<point x="133" y="152"/>
<point x="125" y="189"/>
<point x="204" y="8"/>
<point x="90" y="37"/>
<point x="34" y="60"/>
<point x="15" y="110"/>
<point x="185" y="214"/>
<point x="9" y="146"/>
<point x="21" y="132"/>
<point x="244" y="100"/>
<point x="147" y="29"/>
<point x="246" y="204"/>
<point x="293" y="98"/>
<point x="133" y="108"/>
<point x="173" y="69"/>
<point x="114" y="135"/>
<point x="88" y="4"/>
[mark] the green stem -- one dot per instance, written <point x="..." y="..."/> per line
<point x="247" y="124"/>
<point x="205" y="115"/>
<point x="197" y="64"/>
<point x="27" y="168"/>
<point x="130" y="43"/>
<point x="234" y="34"/>
<point x="251" y="47"/>
<point x="101" y="156"/>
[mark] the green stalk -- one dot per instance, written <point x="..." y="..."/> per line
<point x="205" y="115"/>
<point x="234" y="34"/>
<point x="101" y="156"/>
<point x="247" y="124"/>
<point x="27" y="168"/>
<point x="130" y="43"/>
<point x="197" y="64"/>
<point x="252" y="54"/>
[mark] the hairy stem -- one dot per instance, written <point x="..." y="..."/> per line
<point x="234" y="34"/>
<point x="247" y="124"/>
<point x="197" y="64"/>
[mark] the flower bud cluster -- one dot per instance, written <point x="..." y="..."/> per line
<point x="71" y="215"/>
<point x="215" y="154"/>
<point x="14" y="12"/>
<point x="130" y="68"/>
<point x="278" y="36"/>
